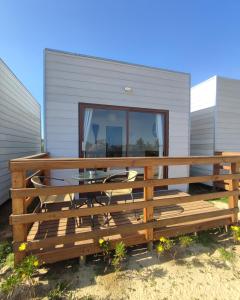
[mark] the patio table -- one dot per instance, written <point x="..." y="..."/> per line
<point x="90" y="177"/>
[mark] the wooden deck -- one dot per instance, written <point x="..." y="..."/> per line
<point x="63" y="227"/>
<point x="54" y="235"/>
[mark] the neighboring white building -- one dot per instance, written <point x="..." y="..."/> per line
<point x="20" y="126"/>
<point x="97" y="107"/>
<point x="215" y="119"/>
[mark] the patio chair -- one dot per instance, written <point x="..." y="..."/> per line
<point x="44" y="200"/>
<point x="131" y="176"/>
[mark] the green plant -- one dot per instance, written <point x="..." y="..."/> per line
<point x="227" y="256"/>
<point x="164" y="245"/>
<point x="23" y="273"/>
<point x="104" y="245"/>
<point x="59" y="292"/>
<point x="10" y="284"/>
<point x="236" y="232"/>
<point x="186" y="241"/>
<point x="120" y="254"/>
<point x="10" y="260"/>
<point x="5" y="250"/>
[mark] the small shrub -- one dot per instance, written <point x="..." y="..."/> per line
<point x="104" y="245"/>
<point x="10" y="260"/>
<point x="10" y="284"/>
<point x="236" y="232"/>
<point x="5" y="250"/>
<point x="59" y="292"/>
<point x="120" y="254"/>
<point x="226" y="256"/>
<point x="186" y="241"/>
<point x="21" y="274"/>
<point x="164" y="245"/>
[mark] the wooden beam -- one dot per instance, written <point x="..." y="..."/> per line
<point x="18" y="208"/>
<point x="190" y="228"/>
<point x="34" y="156"/>
<point x="81" y="163"/>
<point x="233" y="200"/>
<point x="89" y="248"/>
<point x="81" y="212"/>
<point x="58" y="190"/>
<point x="148" y="196"/>
<point x="123" y="229"/>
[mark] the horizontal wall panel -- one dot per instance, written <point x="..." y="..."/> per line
<point x="20" y="129"/>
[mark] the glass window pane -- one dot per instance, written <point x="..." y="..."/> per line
<point x="146" y="134"/>
<point x="104" y="133"/>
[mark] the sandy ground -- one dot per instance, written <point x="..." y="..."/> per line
<point x="197" y="272"/>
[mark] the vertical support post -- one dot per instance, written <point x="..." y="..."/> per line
<point x="234" y="185"/>
<point x="18" y="207"/>
<point x="148" y="211"/>
<point x="216" y="171"/>
<point x="47" y="174"/>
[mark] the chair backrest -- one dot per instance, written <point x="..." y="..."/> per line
<point x="37" y="184"/>
<point x="132" y="175"/>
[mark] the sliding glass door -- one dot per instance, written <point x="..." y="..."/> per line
<point x="108" y="131"/>
<point x="146" y="134"/>
<point x="104" y="133"/>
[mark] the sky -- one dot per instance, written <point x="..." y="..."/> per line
<point x="201" y="37"/>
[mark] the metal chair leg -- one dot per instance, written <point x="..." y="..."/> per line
<point x="133" y="202"/>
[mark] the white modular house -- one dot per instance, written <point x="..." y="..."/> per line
<point x="98" y="107"/>
<point x="215" y="119"/>
<point x="20" y="126"/>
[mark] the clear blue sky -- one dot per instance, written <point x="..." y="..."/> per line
<point x="200" y="37"/>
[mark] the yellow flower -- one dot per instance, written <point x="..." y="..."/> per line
<point x="101" y="242"/>
<point x="235" y="228"/>
<point x="160" y="248"/>
<point x="238" y="238"/>
<point x="163" y="239"/>
<point x="22" y="247"/>
<point x="36" y="263"/>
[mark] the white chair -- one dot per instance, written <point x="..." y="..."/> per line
<point x="44" y="200"/>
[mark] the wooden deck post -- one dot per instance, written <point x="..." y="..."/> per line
<point x="234" y="184"/>
<point x="216" y="171"/>
<point x="18" y="207"/>
<point x="148" y="212"/>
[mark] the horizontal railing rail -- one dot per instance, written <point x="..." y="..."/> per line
<point x="23" y="195"/>
<point x="78" y="163"/>
<point x="101" y="187"/>
<point x="50" y="216"/>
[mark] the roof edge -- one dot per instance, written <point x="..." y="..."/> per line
<point x="114" y="61"/>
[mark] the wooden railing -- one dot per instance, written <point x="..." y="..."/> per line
<point x="23" y="194"/>
<point x="225" y="169"/>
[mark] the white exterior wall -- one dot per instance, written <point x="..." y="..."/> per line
<point x="70" y="79"/>
<point x="202" y="138"/>
<point x="227" y="130"/>
<point x="203" y="114"/>
<point x="216" y="128"/>
<point x="20" y="129"/>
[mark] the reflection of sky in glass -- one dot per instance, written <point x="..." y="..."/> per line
<point x="141" y="125"/>
<point x="106" y="123"/>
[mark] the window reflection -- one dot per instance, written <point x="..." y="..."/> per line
<point x="117" y="133"/>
